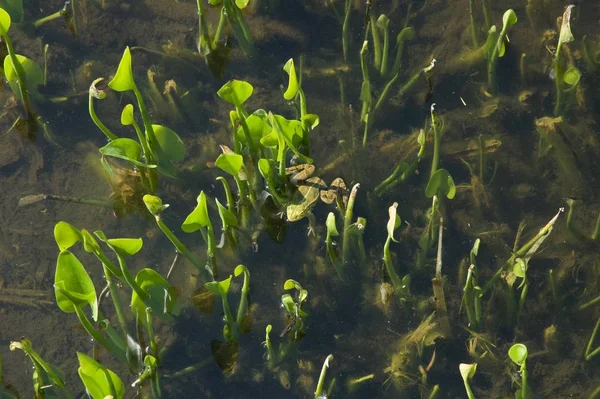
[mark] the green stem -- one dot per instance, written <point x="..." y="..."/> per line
<point x="321" y="381"/>
<point x="376" y="43"/>
<point x="473" y="27"/>
<point x="436" y="141"/>
<point x="345" y="29"/>
<point x="49" y="18"/>
<point x="243" y="306"/>
<point x="116" y="299"/>
<point x="389" y="267"/>
<point x="21" y="76"/>
<point x="95" y="93"/>
<point x="220" y="27"/>
<point x="144" y="296"/>
<point x="588" y="349"/>
<point x="179" y="246"/>
<point x="347" y="225"/>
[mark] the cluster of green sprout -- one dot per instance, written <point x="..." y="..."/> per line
<point x="261" y="164"/>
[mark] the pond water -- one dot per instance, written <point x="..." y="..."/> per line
<point x="467" y="140"/>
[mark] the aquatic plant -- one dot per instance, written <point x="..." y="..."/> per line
<point x="467" y="371"/>
<point x="495" y="47"/>
<point x="319" y="391"/>
<point x="23" y="76"/>
<point x="576" y="231"/>
<point x="99" y="381"/>
<point x="151" y="295"/>
<point x="47" y="378"/>
<point x="209" y="45"/>
<point x="565" y="79"/>
<point x="518" y="354"/>
<point x="401" y="285"/>
<point x="158" y="147"/>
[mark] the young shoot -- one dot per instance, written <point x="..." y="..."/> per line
<point x="518" y="354"/>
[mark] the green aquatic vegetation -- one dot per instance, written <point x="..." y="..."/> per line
<point x="155" y="206"/>
<point x="294" y="307"/>
<point x="151" y="295"/>
<point x="99" y="381"/>
<point x="495" y="47"/>
<point x="467" y="372"/>
<point x="225" y="354"/>
<point x="471" y="300"/>
<point x="48" y="380"/>
<point x="401" y="285"/>
<point x="158" y="147"/>
<point x="198" y="219"/>
<point x="352" y="239"/>
<point x="566" y="77"/>
<point x="23" y="76"/>
<point x="231" y="11"/>
<point x="319" y="391"/>
<point x="386" y="76"/>
<point x="576" y="231"/>
<point x="518" y="354"/>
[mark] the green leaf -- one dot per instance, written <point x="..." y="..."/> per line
<point x="123" y="79"/>
<point x="572" y="76"/>
<point x="66" y="235"/>
<point x="127" y="115"/>
<point x="125" y="246"/>
<point x="509" y="19"/>
<point x="520" y="268"/>
<point x="89" y="242"/>
<point x="71" y="277"/>
<point x="264" y="167"/>
<point x="331" y="225"/>
<point x="467" y="371"/>
<point x="126" y="149"/>
<point x="98" y="380"/>
<point x="219" y="287"/>
<point x="394" y="221"/>
<point x="239" y="269"/>
<point x="230" y="163"/>
<point x="293" y="86"/>
<point x="34" y="75"/>
<point x="236" y="92"/>
<point x="566" y="35"/>
<point x="312" y="120"/>
<point x="154" y="204"/>
<point x="291" y="131"/>
<point x="441" y="184"/>
<point x="518" y="354"/>
<point x="5" y="21"/>
<point x="382" y="22"/>
<point x="199" y="216"/>
<point x="228" y="218"/>
<point x="171" y="147"/>
<point x="258" y="127"/>
<point x="491" y="42"/>
<point x="214" y="2"/>
<point x="241" y="4"/>
<point x="163" y="296"/>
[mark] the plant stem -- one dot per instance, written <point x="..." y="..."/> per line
<point x="436" y="141"/>
<point x="49" y="18"/>
<point x="116" y="299"/>
<point x="347" y="225"/>
<point x="321" y="381"/>
<point x="345" y="31"/>
<point x="220" y="27"/>
<point x="473" y="28"/>
<point x="179" y="246"/>
<point x="243" y="306"/>
<point x="588" y="349"/>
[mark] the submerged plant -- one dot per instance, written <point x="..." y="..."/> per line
<point x="518" y="354"/>
<point x="401" y="285"/>
<point x="157" y="148"/>
<point x="495" y="47"/>
<point x="566" y="77"/>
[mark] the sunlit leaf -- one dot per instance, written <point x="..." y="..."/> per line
<point x="228" y="218"/>
<point x="127" y="115"/>
<point x="123" y="79"/>
<point x="292" y="88"/>
<point x="171" y="147"/>
<point x="72" y="278"/>
<point x="394" y="221"/>
<point x="572" y="76"/>
<point x="66" y="235"/>
<point x="518" y="354"/>
<point x="198" y="218"/>
<point x="509" y="19"/>
<point x="34" y="75"/>
<point x="154" y="204"/>
<point x="230" y="163"/>
<point x="125" y="246"/>
<point x="219" y="287"/>
<point x="126" y="149"/>
<point x="98" y="380"/>
<point x="5" y="19"/>
<point x="163" y="297"/>
<point x="236" y="92"/>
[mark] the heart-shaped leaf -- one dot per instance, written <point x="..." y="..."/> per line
<point x="230" y="163"/>
<point x="236" y="92"/>
<point x="127" y="115"/>
<point x="34" y="75"/>
<point x="163" y="298"/>
<point x="171" y="147"/>
<point x="126" y="149"/>
<point x="441" y="184"/>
